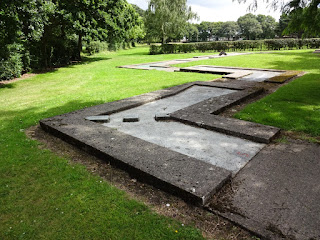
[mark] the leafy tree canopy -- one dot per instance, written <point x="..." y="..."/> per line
<point x="167" y="19"/>
<point x="47" y="33"/>
<point x="305" y="14"/>
<point x="250" y="26"/>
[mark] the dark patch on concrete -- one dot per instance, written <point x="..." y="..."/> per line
<point x="133" y="118"/>
<point x="283" y="77"/>
<point x="100" y="119"/>
<point x="162" y="117"/>
<point x="278" y="192"/>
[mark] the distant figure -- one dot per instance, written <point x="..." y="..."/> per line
<point x="222" y="53"/>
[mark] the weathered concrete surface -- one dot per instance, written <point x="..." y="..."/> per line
<point x="228" y="152"/>
<point x="137" y="156"/>
<point x="251" y="131"/>
<point x="238" y="74"/>
<point x="216" y="105"/>
<point x="112" y="145"/>
<point x="277" y="194"/>
<point x="166" y="65"/>
<point x="202" y="115"/>
<point x="187" y="177"/>
<point x="246" y="74"/>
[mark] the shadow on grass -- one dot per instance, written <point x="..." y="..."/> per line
<point x="298" y="61"/>
<point x="11" y="119"/>
<point x="306" y="118"/>
<point x="7" y="85"/>
<point x="136" y="54"/>
<point x="87" y="59"/>
<point x="47" y="70"/>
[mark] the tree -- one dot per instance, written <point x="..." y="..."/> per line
<point x="283" y="24"/>
<point x="167" y="19"/>
<point x="139" y="10"/>
<point x="192" y="32"/>
<point x="230" y="29"/>
<point x="305" y="14"/>
<point x="304" y="21"/>
<point x="99" y="19"/>
<point x="49" y="33"/>
<point x="268" y="25"/>
<point x="204" y="31"/>
<point x="250" y="26"/>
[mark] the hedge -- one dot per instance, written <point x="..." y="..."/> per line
<point x="11" y="63"/>
<point x="244" y="45"/>
<point x="96" y="47"/>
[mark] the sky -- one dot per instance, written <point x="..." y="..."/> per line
<point x="220" y="10"/>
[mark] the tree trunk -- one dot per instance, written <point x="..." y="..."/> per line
<point x="163" y="40"/>
<point x="79" y="46"/>
<point x="44" y="52"/>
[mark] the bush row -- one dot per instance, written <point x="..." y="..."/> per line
<point x="244" y="45"/>
<point x="18" y="58"/>
<point x="96" y="47"/>
<point x="11" y="63"/>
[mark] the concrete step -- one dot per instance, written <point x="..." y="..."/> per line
<point x="230" y="126"/>
<point x="217" y="105"/>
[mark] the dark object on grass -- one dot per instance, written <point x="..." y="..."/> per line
<point x="222" y="53"/>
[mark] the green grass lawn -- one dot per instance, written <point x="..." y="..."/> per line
<point x="294" y="107"/>
<point x="44" y="197"/>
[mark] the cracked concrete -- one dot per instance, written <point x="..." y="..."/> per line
<point x="277" y="194"/>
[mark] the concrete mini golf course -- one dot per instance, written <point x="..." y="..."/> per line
<point x="176" y="140"/>
<point x="228" y="152"/>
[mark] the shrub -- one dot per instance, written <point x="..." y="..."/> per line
<point x="258" y="45"/>
<point x="96" y="47"/>
<point x="155" y="49"/>
<point x="11" y="65"/>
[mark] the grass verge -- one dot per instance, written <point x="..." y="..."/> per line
<point x="293" y="107"/>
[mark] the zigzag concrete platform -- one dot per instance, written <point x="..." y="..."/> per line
<point x="182" y="143"/>
<point x="189" y="160"/>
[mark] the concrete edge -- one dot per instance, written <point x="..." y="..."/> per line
<point x="241" y="68"/>
<point x="143" y="176"/>
<point x="256" y="228"/>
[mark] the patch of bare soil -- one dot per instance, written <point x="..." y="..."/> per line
<point x="212" y="226"/>
<point x="23" y="77"/>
